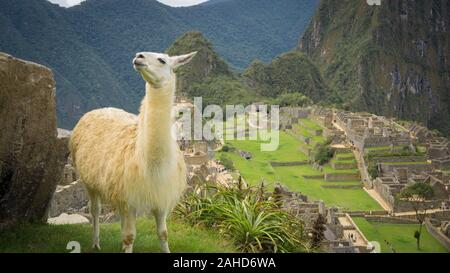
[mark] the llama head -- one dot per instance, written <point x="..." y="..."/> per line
<point x="157" y="68"/>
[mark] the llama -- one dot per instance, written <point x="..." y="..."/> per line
<point x="133" y="162"/>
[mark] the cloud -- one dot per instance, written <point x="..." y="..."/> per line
<point x="66" y="3"/>
<point x="181" y="3"/>
<point x="173" y="3"/>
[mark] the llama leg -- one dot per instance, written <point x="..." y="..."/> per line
<point x="95" y="212"/>
<point x="161" y="228"/>
<point x="128" y="224"/>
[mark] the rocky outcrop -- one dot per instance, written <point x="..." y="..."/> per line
<point x="32" y="156"/>
<point x="391" y="59"/>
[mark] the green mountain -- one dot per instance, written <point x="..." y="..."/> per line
<point x="89" y="47"/>
<point x="291" y="72"/>
<point x="391" y="59"/>
<point x="208" y="75"/>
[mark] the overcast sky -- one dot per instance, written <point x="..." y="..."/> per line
<point x="173" y="3"/>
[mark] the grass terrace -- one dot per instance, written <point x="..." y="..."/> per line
<point x="400" y="236"/>
<point x="258" y="168"/>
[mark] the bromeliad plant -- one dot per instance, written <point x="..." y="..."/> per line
<point x="248" y="217"/>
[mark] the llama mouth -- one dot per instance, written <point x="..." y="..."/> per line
<point x="138" y="64"/>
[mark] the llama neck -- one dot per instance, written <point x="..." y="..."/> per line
<point x="154" y="137"/>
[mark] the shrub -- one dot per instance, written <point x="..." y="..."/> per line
<point x="225" y="148"/>
<point x="322" y="153"/>
<point x="373" y="171"/>
<point x="227" y="162"/>
<point x="253" y="222"/>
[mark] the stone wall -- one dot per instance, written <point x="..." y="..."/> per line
<point x="68" y="199"/>
<point x="32" y="156"/>
<point x="343" y="166"/>
<point x="403" y="206"/>
<point x="399" y="159"/>
<point x="288" y="164"/>
<point x="389" y="219"/>
<point x="387" y="168"/>
<point x="340" y="177"/>
<point x="438" y="235"/>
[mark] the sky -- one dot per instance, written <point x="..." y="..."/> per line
<point x="173" y="3"/>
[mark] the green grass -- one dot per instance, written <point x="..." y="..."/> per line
<point x="328" y="169"/>
<point x="344" y="156"/>
<point x="384" y="148"/>
<point x="287" y="149"/>
<point x="348" y="199"/>
<point x="311" y="124"/>
<point x="400" y="236"/>
<point x="304" y="132"/>
<point x="258" y="169"/>
<point x="54" y="238"/>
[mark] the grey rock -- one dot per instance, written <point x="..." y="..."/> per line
<point x="31" y="155"/>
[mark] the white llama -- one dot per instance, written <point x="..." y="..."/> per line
<point x="133" y="162"/>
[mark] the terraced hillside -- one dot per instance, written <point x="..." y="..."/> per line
<point x="289" y="165"/>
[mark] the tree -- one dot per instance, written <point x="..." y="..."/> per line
<point x="322" y="152"/>
<point x="318" y="232"/>
<point x="417" y="194"/>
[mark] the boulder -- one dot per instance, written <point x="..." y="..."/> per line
<point x="69" y="198"/>
<point x="68" y="219"/>
<point x="32" y="156"/>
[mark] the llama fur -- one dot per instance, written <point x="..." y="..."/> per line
<point x="133" y="162"/>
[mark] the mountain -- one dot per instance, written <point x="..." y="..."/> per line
<point x="90" y="46"/>
<point x="391" y="59"/>
<point x="291" y="72"/>
<point x="208" y="75"/>
<point x="207" y="63"/>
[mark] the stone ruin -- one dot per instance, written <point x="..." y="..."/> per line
<point x="366" y="130"/>
<point x="341" y="235"/>
<point x="388" y="187"/>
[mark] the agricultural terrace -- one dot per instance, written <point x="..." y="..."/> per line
<point x="346" y="194"/>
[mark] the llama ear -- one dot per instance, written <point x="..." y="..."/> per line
<point x="177" y="61"/>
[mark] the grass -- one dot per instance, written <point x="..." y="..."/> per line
<point x="344" y="156"/>
<point x="400" y="236"/>
<point x="347" y="199"/>
<point x="328" y="169"/>
<point x="258" y="169"/>
<point x="311" y="124"/>
<point x="304" y="132"/>
<point x="35" y="238"/>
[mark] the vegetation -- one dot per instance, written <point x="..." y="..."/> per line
<point x="417" y="194"/>
<point x="322" y="153"/>
<point x="227" y="162"/>
<point x="354" y="61"/>
<point x="293" y="100"/>
<point x="91" y="58"/>
<point x="40" y="238"/>
<point x="292" y="72"/>
<point x="318" y="231"/>
<point x="398" y="236"/>
<point x="259" y="169"/>
<point x="373" y="170"/>
<point x="247" y="217"/>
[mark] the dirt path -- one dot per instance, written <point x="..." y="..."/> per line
<point x="379" y="199"/>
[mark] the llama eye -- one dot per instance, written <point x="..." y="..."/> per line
<point x="162" y="61"/>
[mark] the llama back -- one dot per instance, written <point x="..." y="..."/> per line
<point x="102" y="147"/>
